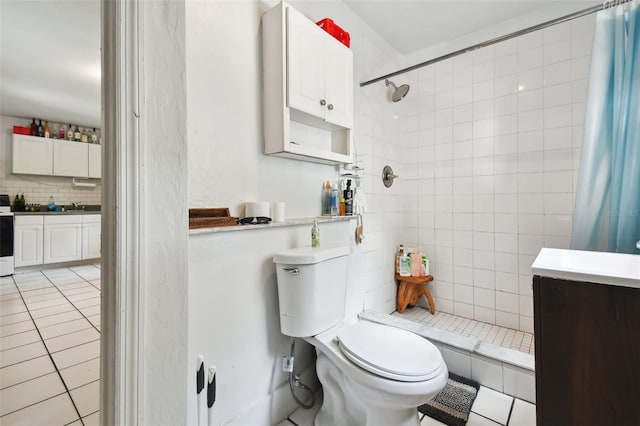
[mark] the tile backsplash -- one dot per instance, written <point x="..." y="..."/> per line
<point x="37" y="189"/>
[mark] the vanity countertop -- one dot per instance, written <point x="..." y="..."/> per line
<point x="589" y="266"/>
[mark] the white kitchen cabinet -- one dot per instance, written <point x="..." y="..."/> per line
<point x="95" y="161"/>
<point x="28" y="243"/>
<point x="62" y="238"/>
<point x="70" y="158"/>
<point x="32" y="155"/>
<point x="308" y="89"/>
<point x="91" y="236"/>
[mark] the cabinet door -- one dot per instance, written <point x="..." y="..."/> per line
<point x="339" y="84"/>
<point x="95" y="161"/>
<point x="28" y="241"/>
<point x="70" y="158"/>
<point x="305" y="65"/>
<point x="32" y="155"/>
<point x="91" y="237"/>
<point x="62" y="242"/>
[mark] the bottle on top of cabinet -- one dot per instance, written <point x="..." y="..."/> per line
<point x="33" y="130"/>
<point x="70" y="133"/>
<point x="40" y="129"/>
<point x="94" y="136"/>
<point x="61" y="132"/>
<point x="76" y="134"/>
<point x="47" y="133"/>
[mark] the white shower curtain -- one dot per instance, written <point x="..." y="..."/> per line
<point x="607" y="207"/>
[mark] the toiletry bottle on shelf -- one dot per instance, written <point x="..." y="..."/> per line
<point x="399" y="254"/>
<point x="326" y="199"/>
<point x="405" y="266"/>
<point x="335" y="201"/>
<point x="416" y="263"/>
<point x="425" y="266"/>
<point x="348" y="199"/>
<point x="315" y="234"/>
<point x="342" y="207"/>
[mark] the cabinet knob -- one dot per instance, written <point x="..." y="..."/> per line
<point x="323" y="102"/>
<point x="330" y="107"/>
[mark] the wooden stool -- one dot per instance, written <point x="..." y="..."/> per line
<point x="410" y="290"/>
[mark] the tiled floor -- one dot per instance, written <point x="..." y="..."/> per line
<point x="50" y="347"/>
<point x="490" y="408"/>
<point x="501" y="336"/>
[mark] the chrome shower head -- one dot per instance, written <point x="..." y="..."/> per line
<point x="398" y="92"/>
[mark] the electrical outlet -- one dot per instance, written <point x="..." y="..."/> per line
<point x="287" y="364"/>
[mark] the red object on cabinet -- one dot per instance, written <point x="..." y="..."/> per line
<point x="334" y="30"/>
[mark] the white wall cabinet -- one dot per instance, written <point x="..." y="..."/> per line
<point x="308" y="89"/>
<point x="70" y="158"/>
<point x="32" y="155"/>
<point x="91" y="236"/>
<point x="95" y="161"/>
<point x="56" y="157"/>
<point x="28" y="244"/>
<point x="62" y="238"/>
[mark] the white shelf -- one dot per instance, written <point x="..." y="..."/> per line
<point x="288" y="222"/>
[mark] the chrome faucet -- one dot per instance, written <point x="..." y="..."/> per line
<point x="78" y="205"/>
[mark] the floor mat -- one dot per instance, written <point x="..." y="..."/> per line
<point x="452" y="404"/>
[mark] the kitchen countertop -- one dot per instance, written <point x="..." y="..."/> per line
<point x="589" y="266"/>
<point x="89" y="209"/>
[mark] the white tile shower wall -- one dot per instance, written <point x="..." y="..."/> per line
<point x="37" y="189"/>
<point x="498" y="145"/>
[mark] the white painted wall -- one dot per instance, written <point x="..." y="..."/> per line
<point x="233" y="272"/>
<point x="162" y="279"/>
<point x="37" y="189"/>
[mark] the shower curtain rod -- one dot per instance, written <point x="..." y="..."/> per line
<point x="560" y="20"/>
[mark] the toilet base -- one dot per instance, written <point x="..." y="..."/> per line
<point x="344" y="402"/>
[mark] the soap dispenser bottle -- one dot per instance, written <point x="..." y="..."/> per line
<point x="315" y="234"/>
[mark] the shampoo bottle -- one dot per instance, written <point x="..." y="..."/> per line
<point x="335" y="201"/>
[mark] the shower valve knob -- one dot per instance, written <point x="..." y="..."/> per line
<point x="323" y="102"/>
<point x="330" y="107"/>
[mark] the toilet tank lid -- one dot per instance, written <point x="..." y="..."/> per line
<point x="309" y="255"/>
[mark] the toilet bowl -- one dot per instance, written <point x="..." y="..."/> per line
<point x="371" y="374"/>
<point x="374" y="374"/>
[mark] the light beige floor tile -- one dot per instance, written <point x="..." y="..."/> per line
<point x="95" y="320"/>
<point x="61" y="301"/>
<point x="21" y="339"/>
<point x="11" y="296"/>
<point x="14" y="318"/>
<point x="22" y="353"/>
<point x="72" y="286"/>
<point x="57" y="318"/>
<point x="92" y="419"/>
<point x="54" y="411"/>
<point x="90" y="311"/>
<point x="12" y="307"/>
<point x="492" y="405"/>
<point x="55" y="330"/>
<point x="47" y="290"/>
<point x="15" y="328"/>
<point x="27" y="370"/>
<point x="77" y="354"/>
<point x="86" y="288"/>
<point x="27" y="393"/>
<point x="81" y="374"/>
<point x="29" y="300"/>
<point x="66" y="279"/>
<point x="73" y="339"/>
<point x="88" y="302"/>
<point x="92" y="294"/>
<point x="28" y="276"/>
<point x="87" y="398"/>
<point x="34" y="285"/>
<point x="44" y="312"/>
<point x="523" y="414"/>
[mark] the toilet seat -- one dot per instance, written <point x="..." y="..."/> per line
<point x="390" y="352"/>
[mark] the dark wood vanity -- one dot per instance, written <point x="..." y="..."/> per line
<point x="587" y="357"/>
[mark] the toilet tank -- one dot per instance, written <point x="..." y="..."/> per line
<point x="312" y="284"/>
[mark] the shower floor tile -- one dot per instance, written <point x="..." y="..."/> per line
<point x="490" y="333"/>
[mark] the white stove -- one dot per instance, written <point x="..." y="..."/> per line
<point x="6" y="237"/>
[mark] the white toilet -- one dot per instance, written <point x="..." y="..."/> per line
<point x="371" y="374"/>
